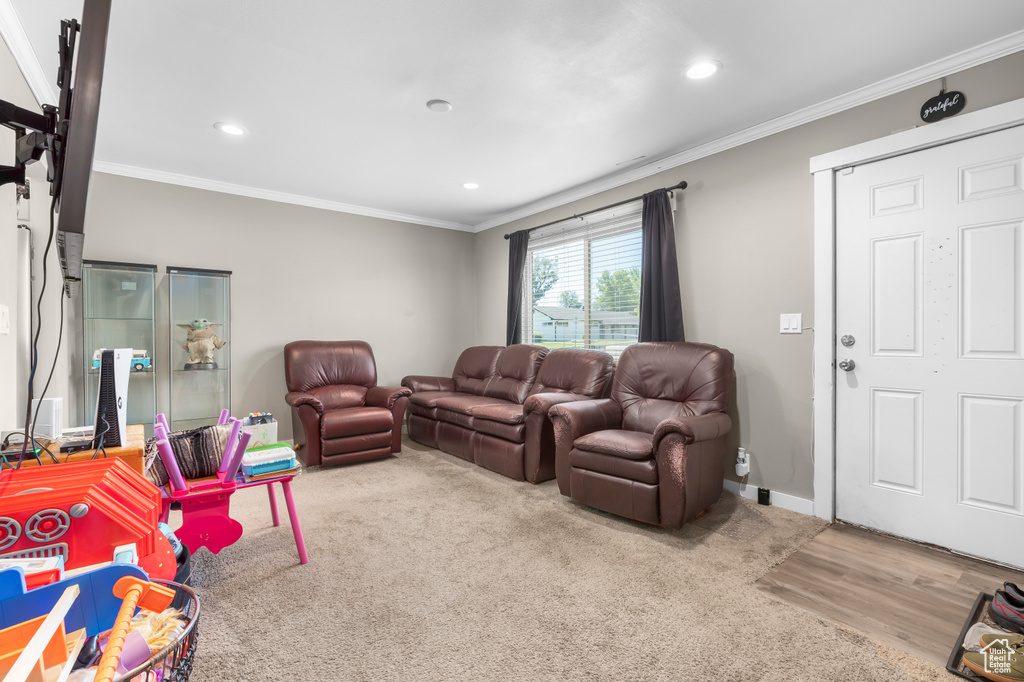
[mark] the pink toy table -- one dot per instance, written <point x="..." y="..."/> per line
<point x="205" y="513"/>
<point x="206" y="502"/>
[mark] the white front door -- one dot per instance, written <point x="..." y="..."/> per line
<point x="930" y="300"/>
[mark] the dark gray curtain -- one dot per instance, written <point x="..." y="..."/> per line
<point x="517" y="243"/>
<point x="661" y="308"/>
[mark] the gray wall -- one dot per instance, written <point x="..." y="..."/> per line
<point x="744" y="238"/>
<point x="298" y="273"/>
<point x="420" y="295"/>
<point x="14" y="265"/>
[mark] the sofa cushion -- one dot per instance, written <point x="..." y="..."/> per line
<point x="428" y="412"/>
<point x="355" y="421"/>
<point x="515" y="372"/>
<point x="505" y="420"/>
<point x="655" y="381"/>
<point x="467" y="404"/>
<point x="581" y="372"/>
<point x="339" y="396"/>
<point x="642" y="470"/>
<point x="428" y="399"/>
<point x="424" y="403"/>
<point x="463" y="419"/>
<point x="311" y="364"/>
<point x="474" y="368"/>
<point x="628" y="444"/>
<point x="506" y="413"/>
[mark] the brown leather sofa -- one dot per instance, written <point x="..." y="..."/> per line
<point x="655" y="450"/>
<point x="339" y="413"/>
<point x="493" y="409"/>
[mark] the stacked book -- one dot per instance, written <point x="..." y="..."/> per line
<point x="268" y="461"/>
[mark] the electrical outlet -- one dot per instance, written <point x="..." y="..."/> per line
<point x="5" y="320"/>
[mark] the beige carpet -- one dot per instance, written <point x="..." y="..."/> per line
<point x="426" y="567"/>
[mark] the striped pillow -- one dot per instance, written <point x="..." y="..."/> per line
<point x="198" y="451"/>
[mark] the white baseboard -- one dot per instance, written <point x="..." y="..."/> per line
<point x="790" y="502"/>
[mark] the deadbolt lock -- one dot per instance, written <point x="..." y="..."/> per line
<point x="847" y="340"/>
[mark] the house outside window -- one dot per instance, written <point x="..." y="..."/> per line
<point x="583" y="282"/>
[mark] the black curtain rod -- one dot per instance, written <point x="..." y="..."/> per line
<point x="681" y="185"/>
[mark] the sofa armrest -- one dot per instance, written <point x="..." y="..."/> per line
<point x="385" y="396"/>
<point x="422" y="383"/>
<point x="580" y="417"/>
<point x="543" y="402"/>
<point x="690" y="455"/>
<point x="694" y="429"/>
<point x="296" y="398"/>
<point x="574" y="419"/>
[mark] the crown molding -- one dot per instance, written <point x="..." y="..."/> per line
<point x="17" y="41"/>
<point x="986" y="52"/>
<point x="270" y="195"/>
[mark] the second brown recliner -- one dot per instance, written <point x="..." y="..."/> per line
<point x="655" y="450"/>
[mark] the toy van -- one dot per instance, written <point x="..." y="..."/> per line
<point x="140" y="359"/>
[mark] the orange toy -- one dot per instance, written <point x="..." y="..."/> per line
<point x="38" y="650"/>
<point x="83" y="512"/>
<point x="135" y="593"/>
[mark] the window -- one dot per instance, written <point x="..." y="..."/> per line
<point x="583" y="282"/>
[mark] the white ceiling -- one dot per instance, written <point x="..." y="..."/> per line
<point x="553" y="99"/>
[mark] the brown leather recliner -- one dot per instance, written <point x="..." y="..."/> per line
<point x="655" y="450"/>
<point x="339" y="413"/>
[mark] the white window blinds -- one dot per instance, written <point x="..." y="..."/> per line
<point x="583" y="280"/>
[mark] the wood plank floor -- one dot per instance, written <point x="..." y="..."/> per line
<point x="909" y="596"/>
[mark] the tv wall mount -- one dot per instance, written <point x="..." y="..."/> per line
<point x="44" y="133"/>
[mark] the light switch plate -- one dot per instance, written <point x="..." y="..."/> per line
<point x="790" y="323"/>
<point x="5" y="320"/>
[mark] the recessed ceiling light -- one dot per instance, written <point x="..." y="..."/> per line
<point x="439" y="105"/>
<point x="230" y="128"/>
<point x="470" y="185"/>
<point x="703" y="69"/>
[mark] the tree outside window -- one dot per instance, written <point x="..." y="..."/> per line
<point x="619" y="290"/>
<point x="570" y="299"/>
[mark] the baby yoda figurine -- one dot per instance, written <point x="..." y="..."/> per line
<point x="200" y="342"/>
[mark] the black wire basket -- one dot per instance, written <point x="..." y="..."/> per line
<point x="175" y="661"/>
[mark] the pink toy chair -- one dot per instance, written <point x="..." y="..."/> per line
<point x="205" y="503"/>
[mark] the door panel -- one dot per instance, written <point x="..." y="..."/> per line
<point x="990" y="179"/>
<point x="990" y="446"/>
<point x="896" y="290"/>
<point x="930" y="419"/>
<point x="897" y="456"/>
<point x="990" y="293"/>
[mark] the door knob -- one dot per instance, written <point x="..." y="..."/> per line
<point x="847" y="365"/>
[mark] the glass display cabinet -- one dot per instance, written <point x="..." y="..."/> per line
<point x="119" y="312"/>
<point x="200" y="357"/>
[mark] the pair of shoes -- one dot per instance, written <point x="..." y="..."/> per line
<point x="1001" y="658"/>
<point x="1007" y="608"/>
